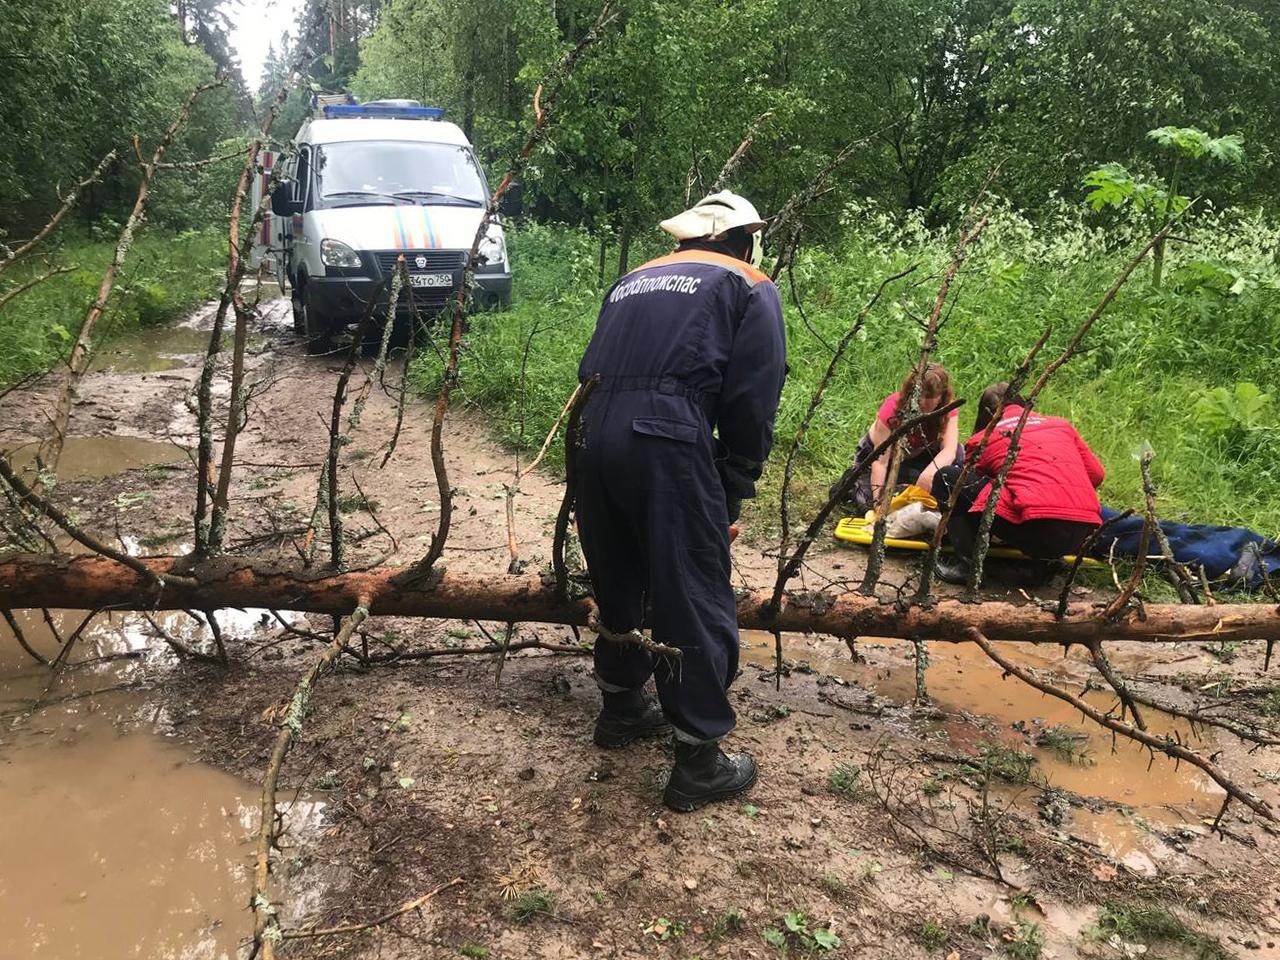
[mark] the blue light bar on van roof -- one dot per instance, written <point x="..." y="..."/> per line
<point x="337" y="111"/>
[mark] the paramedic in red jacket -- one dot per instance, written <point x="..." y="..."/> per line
<point x="1049" y="503"/>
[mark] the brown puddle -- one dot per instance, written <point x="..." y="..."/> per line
<point x="151" y="350"/>
<point x="961" y="680"/>
<point x="92" y="458"/>
<point x="115" y="842"/>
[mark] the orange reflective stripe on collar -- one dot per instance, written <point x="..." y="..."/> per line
<point x="741" y="267"/>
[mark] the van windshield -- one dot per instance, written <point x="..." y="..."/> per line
<point x="397" y="171"/>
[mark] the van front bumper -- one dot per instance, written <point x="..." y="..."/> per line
<point x="344" y="299"/>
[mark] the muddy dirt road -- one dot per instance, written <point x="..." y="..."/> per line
<point x="991" y="822"/>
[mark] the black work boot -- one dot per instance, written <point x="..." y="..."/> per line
<point x="952" y="570"/>
<point x="703" y="773"/>
<point x="626" y="716"/>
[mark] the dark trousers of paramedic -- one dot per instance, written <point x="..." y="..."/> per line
<point x="653" y="525"/>
<point x="1042" y="539"/>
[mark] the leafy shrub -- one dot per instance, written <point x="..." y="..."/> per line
<point x="1240" y="419"/>
<point x="1149" y="353"/>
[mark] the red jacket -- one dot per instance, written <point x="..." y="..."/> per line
<point x="1054" y="477"/>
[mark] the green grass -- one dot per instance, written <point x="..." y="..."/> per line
<point x="1151" y="925"/>
<point x="533" y="903"/>
<point x="1067" y="742"/>
<point x="846" y="780"/>
<point x="1271" y="703"/>
<point x="1024" y="941"/>
<point x="933" y="935"/>
<point x="164" y="275"/>
<point x="732" y="921"/>
<point x="1004" y="762"/>
<point x="1145" y="364"/>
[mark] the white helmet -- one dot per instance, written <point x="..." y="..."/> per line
<point x="714" y="216"/>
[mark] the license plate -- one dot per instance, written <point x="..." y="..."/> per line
<point x="431" y="279"/>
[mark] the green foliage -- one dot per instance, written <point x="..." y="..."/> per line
<point x="85" y="76"/>
<point x="1270" y="705"/>
<point x="165" y="274"/>
<point x="1145" y="363"/>
<point x="732" y="920"/>
<point x="1005" y="762"/>
<point x="1112" y="185"/>
<point x="1069" y="744"/>
<point x="933" y="934"/>
<point x="797" y="931"/>
<point x="663" y="929"/>
<point x="845" y="779"/>
<point x="1024" y="941"/>
<point x="935" y="92"/>
<point x="1106" y="73"/>
<point x="1152" y="925"/>
<point x="1195" y="143"/>
<point x="931" y="786"/>
<point x="355" y="502"/>
<point x="531" y="904"/>
<point x="1241" y="421"/>
<point x="1158" y="201"/>
<point x="834" y="884"/>
<point x="474" y="951"/>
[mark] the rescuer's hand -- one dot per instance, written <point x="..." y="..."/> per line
<point x="733" y="532"/>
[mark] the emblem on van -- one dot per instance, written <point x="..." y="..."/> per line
<point x="421" y="262"/>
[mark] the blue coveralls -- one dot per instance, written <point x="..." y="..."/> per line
<point x="687" y="346"/>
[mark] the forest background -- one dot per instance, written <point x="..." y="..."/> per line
<point x="923" y="98"/>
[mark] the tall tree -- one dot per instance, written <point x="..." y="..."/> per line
<point x="81" y="77"/>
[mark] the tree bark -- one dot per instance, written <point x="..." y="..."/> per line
<point x="91" y="582"/>
<point x="624" y="250"/>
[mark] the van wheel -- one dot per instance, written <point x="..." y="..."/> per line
<point x="299" y="311"/>
<point x="317" y="329"/>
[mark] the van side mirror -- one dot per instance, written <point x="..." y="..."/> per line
<point x="512" y="202"/>
<point x="282" y="202"/>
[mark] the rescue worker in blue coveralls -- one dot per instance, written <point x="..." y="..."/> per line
<point x="691" y="354"/>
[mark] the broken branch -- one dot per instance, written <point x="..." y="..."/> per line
<point x="266" y="929"/>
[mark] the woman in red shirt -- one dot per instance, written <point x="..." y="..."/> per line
<point x="930" y="447"/>
<point x="1049" y="503"/>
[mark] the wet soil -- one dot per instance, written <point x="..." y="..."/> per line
<point x="901" y="828"/>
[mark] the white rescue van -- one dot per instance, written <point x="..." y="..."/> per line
<point x="364" y="185"/>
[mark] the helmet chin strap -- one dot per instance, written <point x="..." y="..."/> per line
<point x="757" y="248"/>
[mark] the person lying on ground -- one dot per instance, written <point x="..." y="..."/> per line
<point x="929" y="447"/>
<point x="1048" y="505"/>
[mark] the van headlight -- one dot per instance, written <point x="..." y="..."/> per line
<point x="492" y="253"/>
<point x="335" y="253"/>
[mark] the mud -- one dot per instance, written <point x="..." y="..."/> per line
<point x="423" y="771"/>
<point x="982" y="707"/>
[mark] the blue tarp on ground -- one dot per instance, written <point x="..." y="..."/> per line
<point x="1226" y="553"/>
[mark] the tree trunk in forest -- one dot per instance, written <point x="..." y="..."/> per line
<point x="92" y="582"/>
<point x="469" y="104"/>
<point x="624" y="250"/>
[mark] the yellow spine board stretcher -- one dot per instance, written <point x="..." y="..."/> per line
<point x="860" y="530"/>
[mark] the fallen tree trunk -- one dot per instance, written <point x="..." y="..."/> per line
<point x="93" y="582"/>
